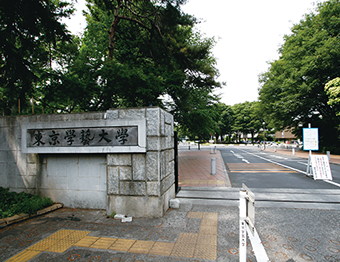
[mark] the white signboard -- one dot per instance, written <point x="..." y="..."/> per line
<point x="320" y="167"/>
<point x="310" y="139"/>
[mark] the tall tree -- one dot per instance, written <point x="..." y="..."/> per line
<point x="246" y="119"/>
<point x="29" y="29"/>
<point x="169" y="66"/>
<point x="292" y="91"/>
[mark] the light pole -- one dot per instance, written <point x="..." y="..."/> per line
<point x="264" y="135"/>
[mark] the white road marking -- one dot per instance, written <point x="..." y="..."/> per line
<point x="306" y="164"/>
<point x="291" y="168"/>
<point x="245" y="160"/>
<point x="331" y="182"/>
<point x="280" y="157"/>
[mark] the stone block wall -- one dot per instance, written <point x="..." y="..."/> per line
<point x="137" y="184"/>
<point x="76" y="180"/>
<point x="141" y="185"/>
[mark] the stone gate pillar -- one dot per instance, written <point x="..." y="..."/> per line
<point x="140" y="184"/>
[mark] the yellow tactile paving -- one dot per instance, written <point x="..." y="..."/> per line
<point x="187" y="238"/>
<point x="122" y="244"/>
<point x="162" y="249"/>
<point x="77" y="235"/>
<point x="103" y="243"/>
<point x="210" y="215"/>
<point x="190" y="245"/>
<point x="44" y="244"/>
<point x="181" y="249"/>
<point x="195" y="214"/>
<point x="209" y="240"/>
<point x="61" y="234"/>
<point x="209" y="222"/>
<point x="205" y="252"/>
<point x="208" y="230"/>
<point x="141" y="247"/>
<point x="86" y="241"/>
<point x="24" y="256"/>
<point x="61" y="246"/>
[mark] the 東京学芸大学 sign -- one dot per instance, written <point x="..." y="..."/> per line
<point x="99" y="136"/>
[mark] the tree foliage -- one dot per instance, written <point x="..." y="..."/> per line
<point x="30" y="30"/>
<point x="332" y="89"/>
<point x="167" y="64"/>
<point x="247" y="120"/>
<point x="133" y="53"/>
<point x="292" y="91"/>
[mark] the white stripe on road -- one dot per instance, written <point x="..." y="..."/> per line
<point x="291" y="168"/>
<point x="245" y="160"/>
<point x="331" y="182"/>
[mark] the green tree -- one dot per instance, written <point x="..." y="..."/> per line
<point x="332" y="89"/>
<point x="292" y="91"/>
<point x="30" y="30"/>
<point x="246" y="119"/>
<point x="223" y="119"/>
<point x="170" y="66"/>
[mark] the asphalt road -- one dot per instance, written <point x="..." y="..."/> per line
<point x="266" y="169"/>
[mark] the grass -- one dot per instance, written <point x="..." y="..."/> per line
<point x="12" y="203"/>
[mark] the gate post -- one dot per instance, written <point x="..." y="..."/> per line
<point x="176" y="161"/>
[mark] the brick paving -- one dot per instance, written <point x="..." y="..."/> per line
<point x="194" y="169"/>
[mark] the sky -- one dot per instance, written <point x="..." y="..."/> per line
<point x="248" y="34"/>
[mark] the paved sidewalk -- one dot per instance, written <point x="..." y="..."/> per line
<point x="194" y="169"/>
<point x="194" y="232"/>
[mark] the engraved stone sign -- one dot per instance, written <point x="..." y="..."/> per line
<point x="100" y="136"/>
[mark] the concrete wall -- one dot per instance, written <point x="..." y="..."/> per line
<point x="137" y="184"/>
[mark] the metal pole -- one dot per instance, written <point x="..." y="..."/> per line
<point x="243" y="230"/>
<point x="213" y="166"/>
<point x="176" y="160"/>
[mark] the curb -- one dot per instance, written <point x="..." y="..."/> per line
<point x="17" y="218"/>
<point x="228" y="181"/>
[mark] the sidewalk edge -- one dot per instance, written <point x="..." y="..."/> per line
<point x="4" y="222"/>
<point x="228" y="182"/>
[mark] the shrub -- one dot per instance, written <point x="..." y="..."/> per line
<point x="12" y="203"/>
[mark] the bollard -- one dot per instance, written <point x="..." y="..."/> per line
<point x="275" y="148"/>
<point x="213" y="150"/>
<point x="213" y="166"/>
<point x="329" y="155"/>
<point x="293" y="151"/>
